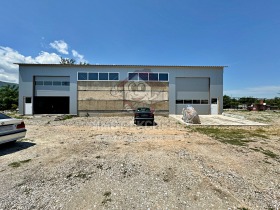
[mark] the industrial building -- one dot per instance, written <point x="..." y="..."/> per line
<point x="93" y="89"/>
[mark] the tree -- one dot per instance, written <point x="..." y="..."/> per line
<point x="67" y="61"/>
<point x="226" y="102"/>
<point x="83" y="63"/>
<point x="8" y="97"/>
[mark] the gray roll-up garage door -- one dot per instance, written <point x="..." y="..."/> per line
<point x="193" y="91"/>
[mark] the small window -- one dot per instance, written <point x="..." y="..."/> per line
<point x="163" y="77"/>
<point x="82" y="76"/>
<point x="196" y="101"/>
<point x="39" y="83"/>
<point x="48" y="83"/>
<point x="153" y="76"/>
<point x="57" y="83"/>
<point x="65" y="83"/>
<point x="188" y="101"/>
<point x="132" y="76"/>
<point x="28" y="100"/>
<point x="144" y="76"/>
<point x="113" y="76"/>
<point x="103" y="76"/>
<point x="93" y="76"/>
<point x="214" y="101"/>
<point x="179" y="101"/>
<point x="204" y="101"/>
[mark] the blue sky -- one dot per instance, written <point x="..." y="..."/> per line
<point x="244" y="35"/>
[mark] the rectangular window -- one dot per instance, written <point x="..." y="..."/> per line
<point x="28" y="100"/>
<point x="132" y="76"/>
<point x="65" y="83"/>
<point x="179" y="101"/>
<point x="214" y="101"/>
<point x="153" y="76"/>
<point x="113" y="76"/>
<point x="196" y="101"/>
<point x="82" y="76"/>
<point x="48" y="83"/>
<point x="39" y="83"/>
<point x="103" y="76"/>
<point x="188" y="101"/>
<point x="57" y="83"/>
<point x="93" y="76"/>
<point x="204" y="101"/>
<point x="163" y="77"/>
<point x="144" y="76"/>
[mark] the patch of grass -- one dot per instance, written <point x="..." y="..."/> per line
<point x="66" y="117"/>
<point x="18" y="164"/>
<point x="269" y="153"/>
<point x="265" y="152"/>
<point x="234" y="136"/>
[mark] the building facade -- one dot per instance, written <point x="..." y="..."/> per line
<point x="90" y="89"/>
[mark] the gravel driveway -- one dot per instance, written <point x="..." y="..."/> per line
<point x="110" y="163"/>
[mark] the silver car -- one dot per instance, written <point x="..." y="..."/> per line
<point x="11" y="129"/>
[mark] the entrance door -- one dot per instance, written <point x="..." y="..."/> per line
<point x="214" y="106"/>
<point x="28" y="106"/>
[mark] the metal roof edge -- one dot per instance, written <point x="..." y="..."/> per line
<point x="112" y="65"/>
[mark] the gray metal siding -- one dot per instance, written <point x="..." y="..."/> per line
<point x="193" y="88"/>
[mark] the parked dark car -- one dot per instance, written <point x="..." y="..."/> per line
<point x="11" y="129"/>
<point x="143" y="114"/>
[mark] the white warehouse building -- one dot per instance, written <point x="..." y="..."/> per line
<point x="91" y="89"/>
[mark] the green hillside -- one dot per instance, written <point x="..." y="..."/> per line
<point x="7" y="83"/>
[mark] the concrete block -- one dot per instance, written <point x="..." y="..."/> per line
<point x="100" y="85"/>
<point x="99" y="95"/>
<point x="145" y="95"/>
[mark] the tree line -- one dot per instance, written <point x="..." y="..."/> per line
<point x="234" y="103"/>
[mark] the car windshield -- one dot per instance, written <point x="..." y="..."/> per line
<point x="3" y="116"/>
<point x="143" y="109"/>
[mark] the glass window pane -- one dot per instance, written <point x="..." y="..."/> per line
<point x="179" y="101"/>
<point x="132" y="76"/>
<point x="196" y="101"/>
<point x="39" y="83"/>
<point x="204" y="101"/>
<point x="93" y="76"/>
<point x="113" y="76"/>
<point x="47" y="82"/>
<point x="57" y="83"/>
<point x="103" y="76"/>
<point x="163" y="77"/>
<point x="153" y="76"/>
<point x="65" y="83"/>
<point x="187" y="101"/>
<point x="82" y="76"/>
<point x="144" y="76"/>
<point x="214" y="101"/>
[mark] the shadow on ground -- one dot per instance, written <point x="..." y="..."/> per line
<point x="9" y="148"/>
<point x="146" y="123"/>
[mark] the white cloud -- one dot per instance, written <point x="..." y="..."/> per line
<point x="61" y="46"/>
<point x="78" y="57"/>
<point x="258" y="92"/>
<point x="9" y="56"/>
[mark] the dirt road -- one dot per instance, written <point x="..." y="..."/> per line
<point x="110" y="163"/>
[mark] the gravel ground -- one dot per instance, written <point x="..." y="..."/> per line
<point x="110" y="163"/>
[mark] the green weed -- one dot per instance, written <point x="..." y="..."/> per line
<point x="239" y="137"/>
<point x="18" y="164"/>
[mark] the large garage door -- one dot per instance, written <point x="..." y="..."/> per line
<point x="51" y="95"/>
<point x="193" y="91"/>
<point x="51" y="105"/>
